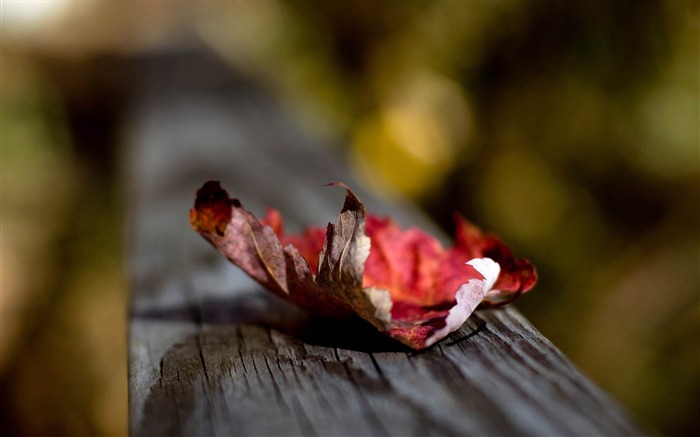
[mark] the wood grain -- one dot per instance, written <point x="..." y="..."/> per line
<point x="210" y="353"/>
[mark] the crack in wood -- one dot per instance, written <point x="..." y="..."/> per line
<point x="201" y="359"/>
<point x="240" y="347"/>
<point x="382" y="377"/>
<point x="278" y="392"/>
<point x="366" y="407"/>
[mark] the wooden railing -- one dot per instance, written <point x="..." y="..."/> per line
<point x="210" y="353"/>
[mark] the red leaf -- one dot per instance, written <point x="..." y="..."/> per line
<point x="407" y="285"/>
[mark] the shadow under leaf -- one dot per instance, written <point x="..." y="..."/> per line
<point x="263" y="309"/>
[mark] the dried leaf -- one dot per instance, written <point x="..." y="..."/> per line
<point x="257" y="250"/>
<point x="403" y="282"/>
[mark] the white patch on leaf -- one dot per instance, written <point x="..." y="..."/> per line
<point x="468" y="297"/>
<point x="381" y="300"/>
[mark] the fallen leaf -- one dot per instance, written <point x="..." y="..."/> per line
<point x="401" y="281"/>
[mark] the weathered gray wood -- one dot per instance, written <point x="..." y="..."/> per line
<point x="212" y="354"/>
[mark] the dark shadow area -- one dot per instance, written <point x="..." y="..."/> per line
<point x="265" y="310"/>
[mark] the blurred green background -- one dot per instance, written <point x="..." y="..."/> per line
<point x="571" y="129"/>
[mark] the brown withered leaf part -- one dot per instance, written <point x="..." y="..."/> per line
<point x="342" y="263"/>
<point x="336" y="290"/>
<point x="257" y="251"/>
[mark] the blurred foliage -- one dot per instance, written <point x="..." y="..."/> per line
<point x="63" y="345"/>
<point x="570" y="129"/>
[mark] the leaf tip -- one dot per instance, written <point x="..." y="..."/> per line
<point x="335" y="184"/>
<point x="352" y="202"/>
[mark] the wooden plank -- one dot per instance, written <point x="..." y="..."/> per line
<point x="210" y="353"/>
